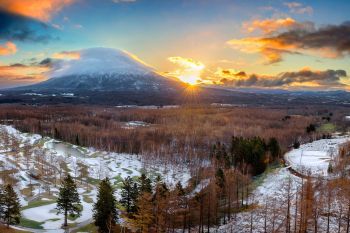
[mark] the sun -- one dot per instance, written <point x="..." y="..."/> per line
<point x="190" y="70"/>
<point x="189" y="79"/>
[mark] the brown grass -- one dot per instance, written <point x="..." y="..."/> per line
<point x="186" y="131"/>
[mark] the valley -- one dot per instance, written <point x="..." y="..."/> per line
<point x="186" y="116"/>
<point x="38" y="150"/>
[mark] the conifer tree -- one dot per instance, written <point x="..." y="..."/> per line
<point x="274" y="148"/>
<point x="145" y="184"/>
<point x="143" y="218"/>
<point x="179" y="189"/>
<point x="105" y="212"/>
<point x="220" y="178"/>
<point x="68" y="201"/>
<point x="9" y="206"/>
<point x="77" y="141"/>
<point x="129" y="195"/>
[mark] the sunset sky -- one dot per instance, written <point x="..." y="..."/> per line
<point x="235" y="43"/>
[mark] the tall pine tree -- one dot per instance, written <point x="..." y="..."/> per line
<point x="68" y="201"/>
<point x="105" y="211"/>
<point x="143" y="219"/>
<point x="129" y="194"/>
<point x="145" y="184"/>
<point x="9" y="206"/>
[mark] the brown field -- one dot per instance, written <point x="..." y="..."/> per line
<point x="187" y="131"/>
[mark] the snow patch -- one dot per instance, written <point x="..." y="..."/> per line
<point x="315" y="157"/>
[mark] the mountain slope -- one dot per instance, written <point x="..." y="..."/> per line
<point x="103" y="69"/>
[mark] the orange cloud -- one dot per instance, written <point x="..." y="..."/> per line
<point x="18" y="74"/>
<point x="304" y="78"/>
<point x="190" y="70"/>
<point x="67" y="55"/>
<point x="8" y="48"/>
<point x="272" y="49"/>
<point x="39" y="9"/>
<point x="330" y="41"/>
<point x="229" y="73"/>
<point x="269" y="25"/>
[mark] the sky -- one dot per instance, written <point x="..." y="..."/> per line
<point x="276" y="44"/>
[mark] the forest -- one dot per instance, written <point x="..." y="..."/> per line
<point x="232" y="153"/>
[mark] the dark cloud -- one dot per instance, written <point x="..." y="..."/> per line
<point x="17" y="65"/>
<point x="46" y="62"/>
<point x="19" y="28"/>
<point x="332" y="41"/>
<point x="336" y="37"/>
<point x="230" y="72"/>
<point x="327" y="78"/>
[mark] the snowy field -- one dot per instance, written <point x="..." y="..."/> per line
<point x="51" y="158"/>
<point x="315" y="157"/>
<point x="272" y="188"/>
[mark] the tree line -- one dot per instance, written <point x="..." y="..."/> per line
<point x="249" y="155"/>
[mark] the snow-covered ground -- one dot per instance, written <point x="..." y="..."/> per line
<point x="270" y="196"/>
<point x="51" y="157"/>
<point x="135" y="124"/>
<point x="50" y="153"/>
<point x="315" y="157"/>
<point x="272" y="191"/>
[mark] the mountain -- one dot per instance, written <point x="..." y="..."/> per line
<point x="103" y="69"/>
<point x="114" y="77"/>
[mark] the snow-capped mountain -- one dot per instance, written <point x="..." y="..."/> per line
<point x="103" y="69"/>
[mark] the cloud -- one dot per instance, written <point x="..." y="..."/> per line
<point x="187" y="63"/>
<point x="20" y="74"/>
<point x="332" y="41"/>
<point x="268" y="26"/>
<point x="272" y="50"/>
<point x="229" y="73"/>
<point x="8" y="48"/>
<point x="41" y="10"/>
<point x="190" y="70"/>
<point x="67" y="55"/>
<point x="299" y="8"/>
<point x="46" y="62"/>
<point x="16" y="27"/>
<point x="304" y="78"/>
